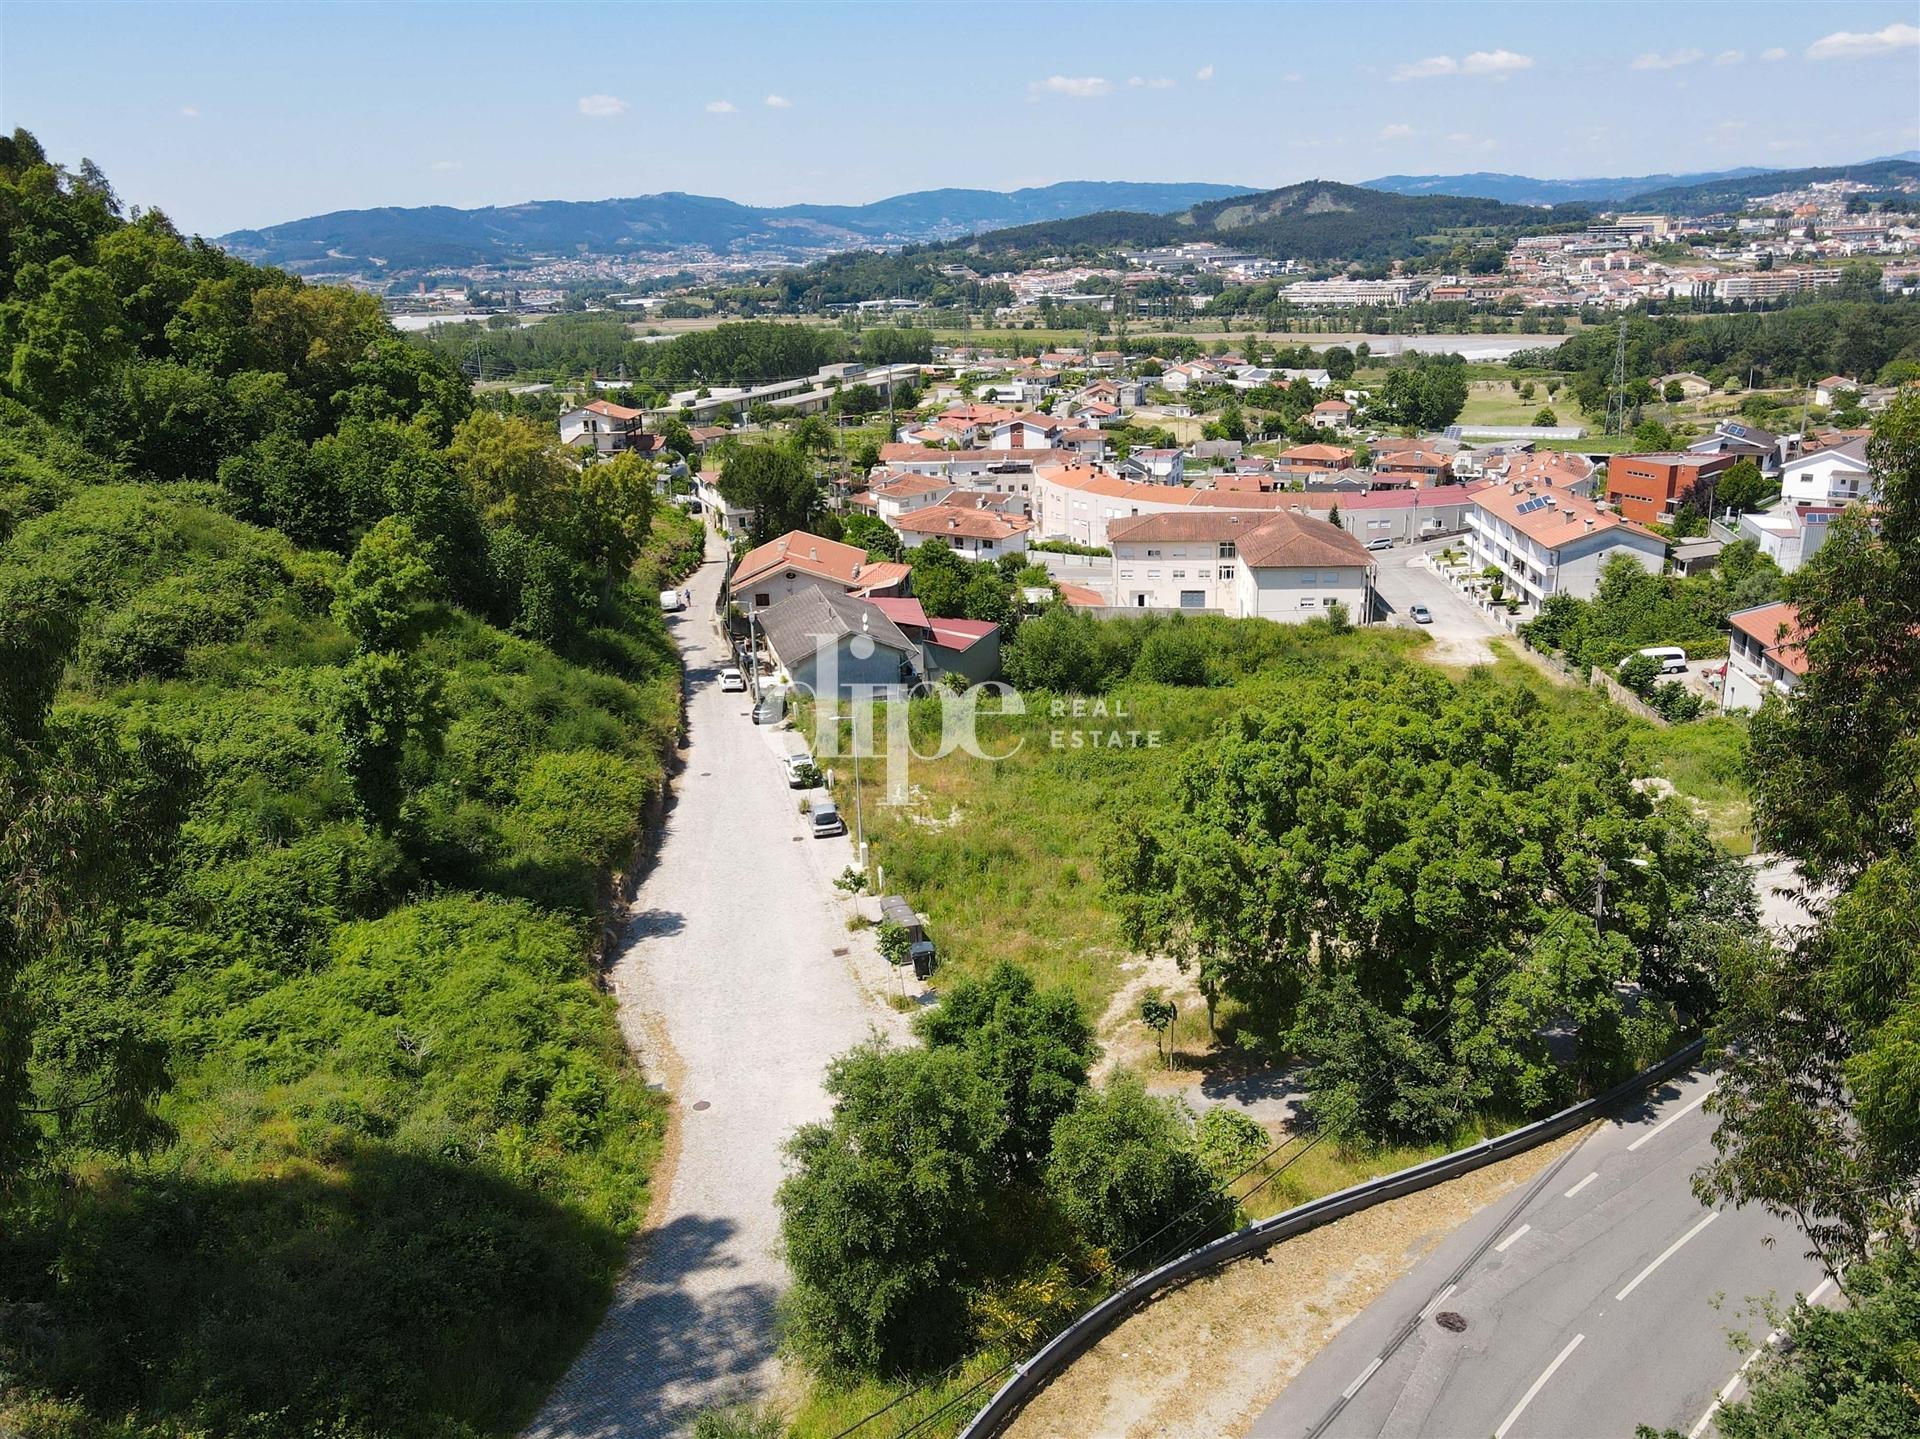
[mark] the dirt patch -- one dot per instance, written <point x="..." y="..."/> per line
<point x="1126" y="1043"/>
<point x="1206" y="1359"/>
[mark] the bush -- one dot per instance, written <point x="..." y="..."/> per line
<point x="1125" y="1172"/>
<point x="1229" y="1142"/>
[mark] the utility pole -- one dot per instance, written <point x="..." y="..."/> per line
<point x="1617" y="400"/>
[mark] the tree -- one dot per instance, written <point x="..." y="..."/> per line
<point x="1125" y="1172"/>
<point x="1158" y="1013"/>
<point x="384" y="590"/>
<point x="1338" y="362"/>
<point x="873" y="535"/>
<point x="1034" y="1045"/>
<point x="1741" y="488"/>
<point x="1546" y="418"/>
<point x="1652" y="437"/>
<point x="1815" y="1101"/>
<point x="885" y="1215"/>
<point x="613" y="503"/>
<point x="776" y="484"/>
<point x="1675" y="392"/>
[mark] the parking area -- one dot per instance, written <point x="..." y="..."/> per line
<point x="1460" y="631"/>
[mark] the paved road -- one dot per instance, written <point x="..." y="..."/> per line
<point x="1460" y="631"/>
<point x="1589" y="1301"/>
<point x="730" y="961"/>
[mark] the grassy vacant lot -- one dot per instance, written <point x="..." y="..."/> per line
<point x="1004" y="855"/>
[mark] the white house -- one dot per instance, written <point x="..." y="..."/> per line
<point x="796" y="562"/>
<point x="731" y="520"/>
<point x="978" y="533"/>
<point x="1766" y="654"/>
<point x="1789" y="535"/>
<point x="1837" y="475"/>
<point x="1331" y="415"/>
<point x="1272" y="565"/>
<point x="608" y="428"/>
<point x="1826" y="391"/>
<point x="1545" y="541"/>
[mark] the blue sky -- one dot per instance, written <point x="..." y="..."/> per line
<point x="246" y="114"/>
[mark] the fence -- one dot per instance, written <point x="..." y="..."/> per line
<point x="1029" y="1378"/>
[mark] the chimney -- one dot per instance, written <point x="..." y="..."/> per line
<point x="1589" y="526"/>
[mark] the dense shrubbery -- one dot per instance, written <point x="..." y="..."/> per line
<point x="1632" y="609"/>
<point x="955" y="1183"/>
<point x="1070" y="652"/>
<point x="328" y="709"/>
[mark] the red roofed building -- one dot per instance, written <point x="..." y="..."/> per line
<point x="794" y="562"/>
<point x="608" y="428"/>
<point x="1249" y="564"/>
<point x="977" y="533"/>
<point x="1648" y="488"/>
<point x="1545" y="540"/>
<point x="1331" y="415"/>
<point x="1766" y="654"/>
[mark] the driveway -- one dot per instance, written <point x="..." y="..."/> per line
<point x="1460" y="631"/>
<point x="738" y="981"/>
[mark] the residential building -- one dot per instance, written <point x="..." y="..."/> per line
<point x="1743" y="441"/>
<point x="1302" y="461"/>
<point x="1545" y="541"/>
<point x="1353" y="292"/>
<point x="1826" y="391"/>
<point x="794" y="563"/>
<point x="828" y="643"/>
<point x="1775" y="284"/>
<point x="1331" y="415"/>
<point x="1247" y="564"/>
<point x="731" y="520"/>
<point x="1162" y="467"/>
<point x="1405" y="517"/>
<point x="977" y="533"/>
<point x="1833" y="475"/>
<point x="1648" y="488"/>
<point x="1766" y="654"/>
<point x="1789" y="535"/>
<point x="1412" y="467"/>
<point x="608" y="428"/>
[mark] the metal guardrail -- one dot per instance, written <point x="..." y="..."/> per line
<point x="1054" y="1356"/>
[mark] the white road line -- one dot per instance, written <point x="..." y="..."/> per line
<point x="1364" y="1375"/>
<point x="1501" y="1247"/>
<point x="1581" y="1185"/>
<point x="1437" y="1300"/>
<point x="1677" y="1114"/>
<point x="1538" y="1385"/>
<point x="1726" y="1391"/>
<point x="1666" y="1254"/>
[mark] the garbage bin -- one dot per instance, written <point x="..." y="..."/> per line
<point x="921" y="953"/>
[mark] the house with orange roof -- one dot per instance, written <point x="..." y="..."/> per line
<point x="1250" y="564"/>
<point x="1766" y="654"/>
<point x="1544" y="540"/>
<point x="1304" y="460"/>
<point x="977" y="532"/>
<point x="1330" y="415"/>
<point x="609" y="429"/>
<point x="794" y="562"/>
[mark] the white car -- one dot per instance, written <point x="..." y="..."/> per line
<point x="798" y="768"/>
<point x="732" y="681"/>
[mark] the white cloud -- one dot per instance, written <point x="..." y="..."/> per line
<point x="1670" y="60"/>
<point x="1495" y="63"/>
<point x="777" y="102"/>
<point x="1074" y="87"/>
<point x="1730" y="57"/>
<point x="1852" y="45"/>
<point x="1203" y="74"/>
<point x="191" y="112"/>
<point x="720" y="107"/>
<point x="1396" y="132"/>
<point x="1773" y="55"/>
<point x="448" y="165"/>
<point x="1293" y="77"/>
<point x="1150" y="82"/>
<point x="602" y="107"/>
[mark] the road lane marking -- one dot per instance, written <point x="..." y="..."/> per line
<point x="1654" y="1132"/>
<point x="1365" y="1374"/>
<point x="1821" y="1288"/>
<point x="1437" y="1300"/>
<point x="1581" y="1185"/>
<point x="1726" y="1391"/>
<point x="1538" y="1385"/>
<point x="1666" y="1254"/>
<point x="1501" y="1247"/>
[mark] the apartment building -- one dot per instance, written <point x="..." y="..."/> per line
<point x="1246" y="564"/>
<point x="1647" y="488"/>
<point x="1766" y="654"/>
<point x="1545" y="541"/>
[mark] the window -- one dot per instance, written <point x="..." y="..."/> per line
<point x="762" y="600"/>
<point x="1309" y="603"/>
<point x="1306" y="577"/>
<point x="1153" y="554"/>
<point x="1329" y="602"/>
<point x="1153" y="574"/>
<point x="1330" y="577"/>
<point x="1226" y="572"/>
<point x="1226" y="549"/>
<point x="1179" y="574"/>
<point x="1203" y="574"/>
<point x="1126" y="574"/>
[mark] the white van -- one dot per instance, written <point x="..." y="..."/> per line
<point x="670" y="601"/>
<point x="1673" y="659"/>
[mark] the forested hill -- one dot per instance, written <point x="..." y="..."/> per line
<point x="1314" y="220"/>
<point x="328" y="705"/>
<point x="394" y="239"/>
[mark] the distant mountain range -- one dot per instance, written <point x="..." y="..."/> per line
<point x="1314" y="220"/>
<point x="1707" y="191"/>
<point x="1310" y="221"/>
<point x="394" y="239"/>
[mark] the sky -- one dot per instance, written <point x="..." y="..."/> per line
<point x="237" y="115"/>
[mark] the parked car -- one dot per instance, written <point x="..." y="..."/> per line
<point x="1380" y="544"/>
<point x="771" y="709"/>
<point x="801" y="771"/>
<point x="1673" y="659"/>
<point x="1420" y="615"/>
<point x="732" y="681"/>
<point x="826" y="819"/>
<point x="670" y="601"/>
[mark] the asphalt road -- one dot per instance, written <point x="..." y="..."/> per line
<point x="1460" y="631"/>
<point x="1598" y="1298"/>
<point x="737" y="983"/>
